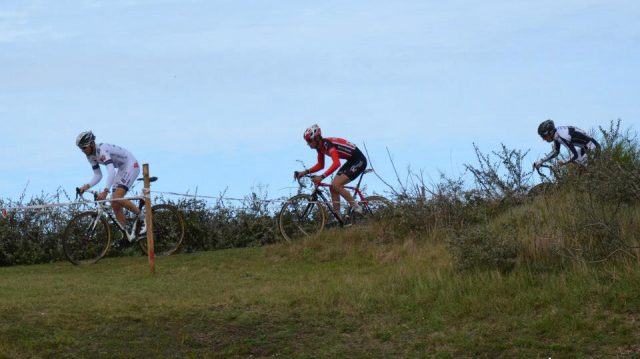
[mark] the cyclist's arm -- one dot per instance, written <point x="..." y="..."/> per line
<point x="97" y="174"/>
<point x="111" y="175"/>
<point x="335" y="157"/>
<point x="111" y="170"/>
<point x="553" y="154"/>
<point x="572" y="149"/>
<point x="318" y="166"/>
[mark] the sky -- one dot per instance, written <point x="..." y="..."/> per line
<point x="216" y="94"/>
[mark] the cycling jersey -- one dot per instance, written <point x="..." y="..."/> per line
<point x="572" y="137"/>
<point x="336" y="148"/>
<point x="114" y="157"/>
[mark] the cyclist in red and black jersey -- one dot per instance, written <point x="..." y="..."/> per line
<point x="336" y="148"/>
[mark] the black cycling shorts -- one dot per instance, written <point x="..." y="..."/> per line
<point x="354" y="166"/>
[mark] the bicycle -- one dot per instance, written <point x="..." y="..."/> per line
<point x="87" y="237"/>
<point x="305" y="214"/>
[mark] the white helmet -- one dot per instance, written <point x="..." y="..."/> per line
<point x="85" y="138"/>
<point x="312" y="133"/>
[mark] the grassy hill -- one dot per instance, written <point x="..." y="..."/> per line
<point x="349" y="293"/>
<point x="494" y="270"/>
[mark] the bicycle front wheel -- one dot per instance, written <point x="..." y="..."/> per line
<point x="87" y="238"/>
<point x="300" y="216"/>
<point x="168" y="230"/>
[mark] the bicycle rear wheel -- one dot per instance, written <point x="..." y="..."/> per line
<point x="300" y="216"/>
<point x="168" y="230"/>
<point x="541" y="189"/>
<point x="87" y="238"/>
<point x="374" y="208"/>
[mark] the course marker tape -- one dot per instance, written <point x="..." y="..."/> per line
<point x="5" y="211"/>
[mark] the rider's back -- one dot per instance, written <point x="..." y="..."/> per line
<point x="106" y="152"/>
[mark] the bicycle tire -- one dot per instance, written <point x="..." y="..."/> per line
<point x="168" y="230"/>
<point x="541" y="189"/>
<point x="300" y="217"/>
<point x="374" y="208"/>
<point x="85" y="245"/>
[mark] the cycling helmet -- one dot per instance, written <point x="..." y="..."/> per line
<point x="85" y="138"/>
<point x="312" y="133"/>
<point x="546" y="127"/>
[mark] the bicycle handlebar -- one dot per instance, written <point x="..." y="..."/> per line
<point x="301" y="183"/>
<point x="80" y="195"/>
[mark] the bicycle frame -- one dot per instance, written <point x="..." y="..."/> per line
<point x="318" y="192"/>
<point x="103" y="211"/>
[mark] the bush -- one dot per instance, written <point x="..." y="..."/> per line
<point x="481" y="248"/>
<point x="30" y="237"/>
<point x="33" y="236"/>
<point x="588" y="214"/>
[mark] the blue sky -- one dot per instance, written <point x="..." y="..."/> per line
<point x="216" y="94"/>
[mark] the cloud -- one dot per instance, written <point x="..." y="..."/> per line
<point x="19" y="26"/>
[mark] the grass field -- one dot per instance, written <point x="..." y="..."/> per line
<point x="342" y="294"/>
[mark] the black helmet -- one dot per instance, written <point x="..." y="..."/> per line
<point x="85" y="138"/>
<point x="546" y="127"/>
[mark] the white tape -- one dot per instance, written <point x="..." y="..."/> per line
<point x="220" y="198"/>
<point x="52" y="205"/>
<point x="146" y="193"/>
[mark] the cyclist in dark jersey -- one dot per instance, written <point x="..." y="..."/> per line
<point x="336" y="148"/>
<point x="576" y="140"/>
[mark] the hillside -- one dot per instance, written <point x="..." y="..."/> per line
<point x="350" y="293"/>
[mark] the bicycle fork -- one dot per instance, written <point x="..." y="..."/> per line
<point x="91" y="229"/>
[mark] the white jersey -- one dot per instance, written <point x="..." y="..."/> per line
<point x="106" y="154"/>
<point x="114" y="157"/>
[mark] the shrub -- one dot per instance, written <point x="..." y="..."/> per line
<point x="481" y="248"/>
<point x="29" y="237"/>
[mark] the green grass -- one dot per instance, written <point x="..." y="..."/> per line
<point x="344" y="294"/>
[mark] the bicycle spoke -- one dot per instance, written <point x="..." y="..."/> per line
<point x="168" y="230"/>
<point x="374" y="208"/>
<point x="300" y="217"/>
<point x="87" y="238"/>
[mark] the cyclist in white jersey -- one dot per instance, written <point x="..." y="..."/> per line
<point x="122" y="170"/>
<point x="576" y="140"/>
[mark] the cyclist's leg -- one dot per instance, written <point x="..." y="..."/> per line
<point x="582" y="156"/>
<point x="124" y="180"/>
<point x="347" y="173"/>
<point x="337" y="190"/>
<point x="117" y="206"/>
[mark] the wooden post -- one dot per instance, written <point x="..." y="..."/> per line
<point x="148" y="217"/>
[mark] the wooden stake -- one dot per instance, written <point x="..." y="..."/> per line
<point x="148" y="217"/>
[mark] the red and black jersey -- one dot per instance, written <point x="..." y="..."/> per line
<point x="336" y="148"/>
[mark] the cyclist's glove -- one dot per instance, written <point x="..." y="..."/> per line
<point x="296" y="175"/>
